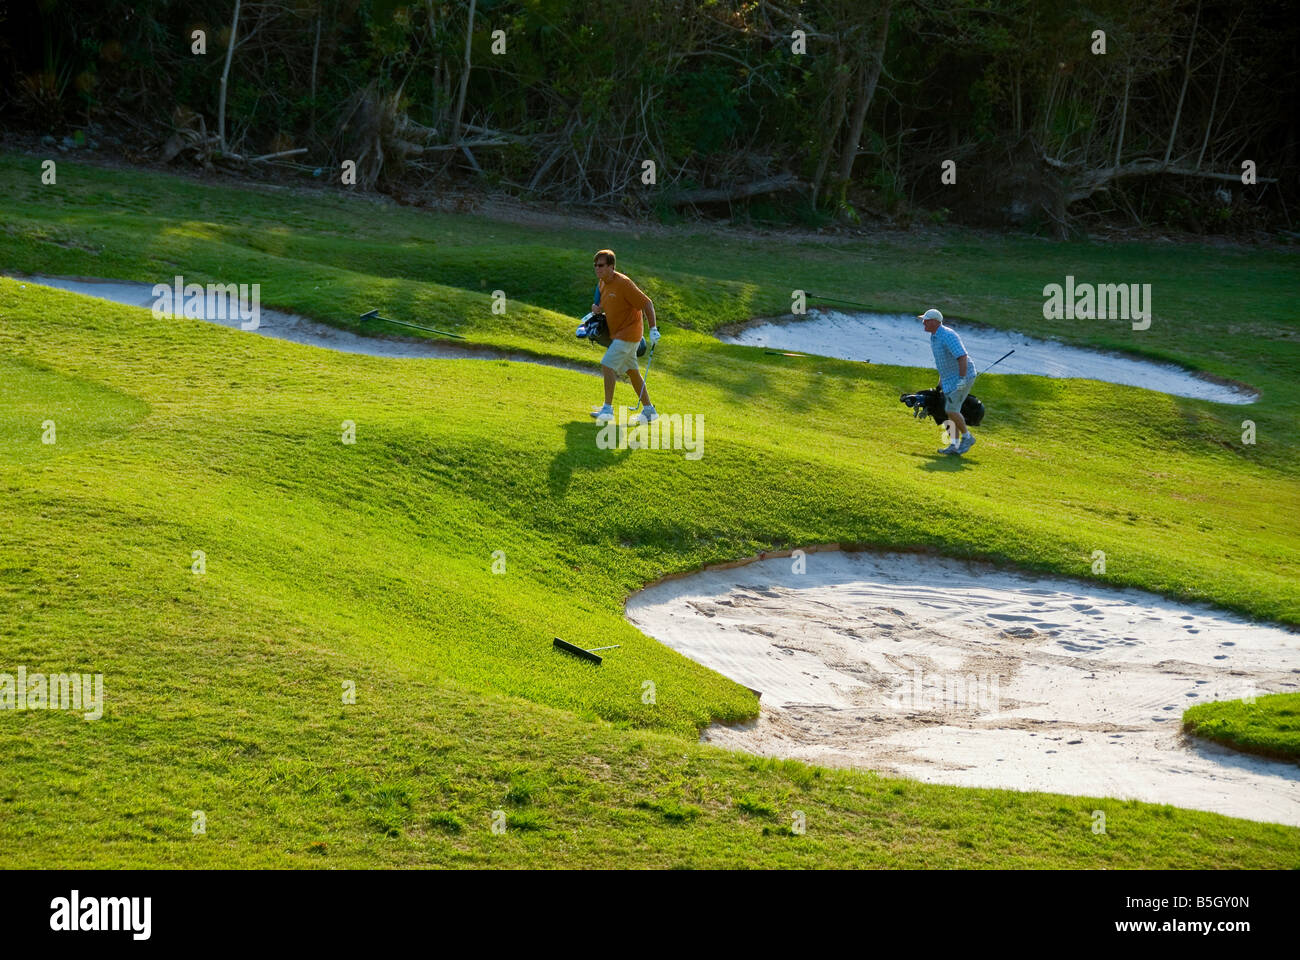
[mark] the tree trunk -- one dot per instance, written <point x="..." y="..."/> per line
<point x="1018" y="104"/>
<point x="840" y="95"/>
<point x="1214" y="104"/>
<point x="225" y="76"/>
<point x="1123" y="117"/>
<point x="870" y="76"/>
<point x="464" y="77"/>
<point x="315" y="56"/>
<point x="1187" y="76"/>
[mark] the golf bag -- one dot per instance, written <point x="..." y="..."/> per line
<point x="595" y="329"/>
<point x="931" y="402"/>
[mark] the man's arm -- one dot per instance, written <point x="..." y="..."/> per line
<point x="954" y="344"/>
<point x="649" y="310"/>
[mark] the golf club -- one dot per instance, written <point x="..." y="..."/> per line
<point x="374" y="315"/>
<point x="998" y="360"/>
<point x="645" y="381"/>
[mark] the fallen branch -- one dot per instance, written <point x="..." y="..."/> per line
<point x="1084" y="184"/>
<point x="555" y="155"/>
<point x="282" y="153"/>
<point x="501" y="135"/>
<point x="784" y="181"/>
<point x="465" y="144"/>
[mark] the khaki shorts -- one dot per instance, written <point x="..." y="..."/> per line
<point x="621" y="355"/>
<point x="954" y="400"/>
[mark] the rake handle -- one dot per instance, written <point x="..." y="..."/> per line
<point x="851" y="303"/>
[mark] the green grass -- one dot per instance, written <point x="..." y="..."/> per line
<point x="61" y="413"/>
<point x="371" y="563"/>
<point x="1270" y="725"/>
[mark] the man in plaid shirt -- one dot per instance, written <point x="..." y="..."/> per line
<point x="956" y="376"/>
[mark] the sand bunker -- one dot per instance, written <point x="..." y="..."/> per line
<point x="899" y="340"/>
<point x="963" y="674"/>
<point x="287" y="326"/>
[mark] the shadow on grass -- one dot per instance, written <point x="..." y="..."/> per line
<point x="749" y="372"/>
<point x="942" y="462"/>
<point x="580" y="453"/>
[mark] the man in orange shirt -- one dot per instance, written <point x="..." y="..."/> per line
<point x="623" y="304"/>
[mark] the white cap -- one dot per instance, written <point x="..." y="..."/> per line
<point x="931" y="314"/>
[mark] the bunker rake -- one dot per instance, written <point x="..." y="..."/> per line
<point x="578" y="651"/>
<point x="374" y="315"/>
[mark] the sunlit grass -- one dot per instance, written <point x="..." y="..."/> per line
<point x="1270" y="725"/>
<point x="371" y="563"/>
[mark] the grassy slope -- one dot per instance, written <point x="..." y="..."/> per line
<point x="371" y="562"/>
<point x="1269" y="726"/>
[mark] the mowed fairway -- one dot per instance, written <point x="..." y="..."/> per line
<point x="371" y="563"/>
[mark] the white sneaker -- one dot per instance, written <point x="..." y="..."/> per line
<point x="647" y="415"/>
<point x="603" y="414"/>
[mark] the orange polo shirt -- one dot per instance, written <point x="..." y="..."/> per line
<point x="623" y="301"/>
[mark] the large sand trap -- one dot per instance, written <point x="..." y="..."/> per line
<point x="287" y="326"/>
<point x="899" y="340"/>
<point x="960" y="673"/>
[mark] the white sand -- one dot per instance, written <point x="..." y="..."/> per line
<point x="898" y="340"/>
<point x="1076" y="690"/>
<point x="296" y="329"/>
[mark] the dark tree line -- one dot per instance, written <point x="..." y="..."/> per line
<point x="802" y="108"/>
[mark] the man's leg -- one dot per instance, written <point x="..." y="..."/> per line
<point x="619" y="355"/>
<point x="638" y="384"/>
<point x="606" y="413"/>
<point x="611" y="379"/>
<point x="964" y="439"/>
<point x="959" y="440"/>
<point x="953" y="402"/>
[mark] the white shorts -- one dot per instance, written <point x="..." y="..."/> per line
<point x="621" y="355"/>
<point x="954" y="400"/>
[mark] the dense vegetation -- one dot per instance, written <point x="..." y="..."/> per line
<point x="806" y="109"/>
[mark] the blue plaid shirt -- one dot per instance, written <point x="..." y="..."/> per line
<point x="947" y="347"/>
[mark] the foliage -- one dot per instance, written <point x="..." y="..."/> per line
<point x="713" y="92"/>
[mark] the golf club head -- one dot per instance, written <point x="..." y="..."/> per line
<point x="370" y="315"/>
